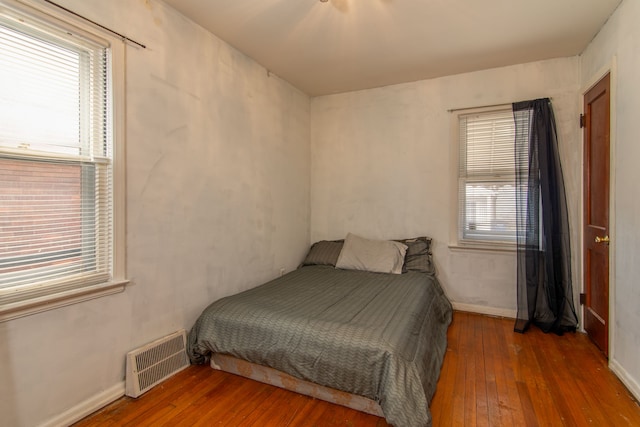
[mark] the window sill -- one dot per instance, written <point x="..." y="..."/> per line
<point x="484" y="247"/>
<point x="30" y="306"/>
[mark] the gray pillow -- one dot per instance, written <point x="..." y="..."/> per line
<point x="378" y="256"/>
<point x="324" y="252"/>
<point x="418" y="256"/>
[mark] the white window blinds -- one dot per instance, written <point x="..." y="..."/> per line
<point x="486" y="177"/>
<point x="56" y="191"/>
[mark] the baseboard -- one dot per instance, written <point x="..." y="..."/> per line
<point x="87" y="407"/>
<point x="483" y="309"/>
<point x="626" y="379"/>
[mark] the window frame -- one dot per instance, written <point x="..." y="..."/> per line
<point x="15" y="303"/>
<point x="456" y="240"/>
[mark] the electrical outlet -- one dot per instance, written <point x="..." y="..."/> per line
<point x="282" y="272"/>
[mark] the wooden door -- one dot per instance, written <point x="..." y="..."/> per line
<point x="596" y="213"/>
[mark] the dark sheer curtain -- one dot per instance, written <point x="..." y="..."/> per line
<point x="545" y="293"/>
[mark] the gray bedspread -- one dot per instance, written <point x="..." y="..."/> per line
<point x="382" y="336"/>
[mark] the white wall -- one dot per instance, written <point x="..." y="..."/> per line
<point x="381" y="166"/>
<point x="619" y="42"/>
<point x="218" y="201"/>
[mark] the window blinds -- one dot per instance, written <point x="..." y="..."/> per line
<point x="486" y="177"/>
<point x="55" y="156"/>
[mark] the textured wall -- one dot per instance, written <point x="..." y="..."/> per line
<point x="618" y="43"/>
<point x="381" y="166"/>
<point x="217" y="202"/>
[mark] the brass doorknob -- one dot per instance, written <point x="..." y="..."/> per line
<point x="604" y="239"/>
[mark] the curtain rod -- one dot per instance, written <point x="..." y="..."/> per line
<point x="452" y="110"/>
<point x="123" y="37"/>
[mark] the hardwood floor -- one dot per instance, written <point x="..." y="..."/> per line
<point x="491" y="377"/>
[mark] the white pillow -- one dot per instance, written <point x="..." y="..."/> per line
<point x="378" y="256"/>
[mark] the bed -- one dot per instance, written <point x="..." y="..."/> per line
<point x="371" y="340"/>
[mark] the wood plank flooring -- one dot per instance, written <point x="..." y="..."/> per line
<point x="491" y="376"/>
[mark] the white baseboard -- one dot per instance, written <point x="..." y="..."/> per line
<point x="87" y="407"/>
<point x="626" y="379"/>
<point x="483" y="309"/>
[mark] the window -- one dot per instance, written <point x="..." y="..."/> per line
<point x="486" y="177"/>
<point x="60" y="177"/>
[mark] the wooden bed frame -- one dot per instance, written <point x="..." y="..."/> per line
<point x="280" y="379"/>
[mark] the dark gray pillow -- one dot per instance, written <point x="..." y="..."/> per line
<point x="324" y="252"/>
<point x="418" y="256"/>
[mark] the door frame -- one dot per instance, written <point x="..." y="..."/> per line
<point x="612" y="70"/>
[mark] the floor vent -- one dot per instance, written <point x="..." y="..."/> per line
<point x="155" y="362"/>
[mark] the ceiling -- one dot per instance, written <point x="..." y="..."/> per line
<point x="345" y="45"/>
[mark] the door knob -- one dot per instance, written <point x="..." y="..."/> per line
<point x="604" y="239"/>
